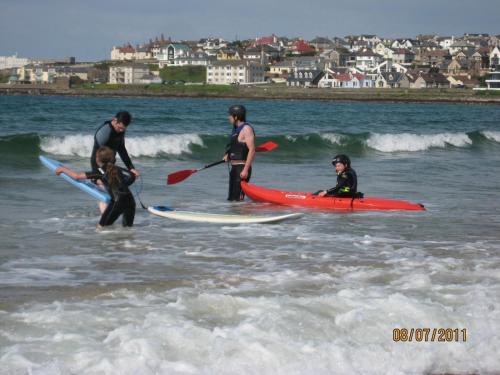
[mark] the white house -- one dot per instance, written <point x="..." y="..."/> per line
<point x="495" y="58"/>
<point x="402" y="43"/>
<point x="126" y="52"/>
<point x="172" y="52"/>
<point x="128" y="74"/>
<point x="494" y="81"/>
<point x="9" y="62"/>
<point x="226" y="72"/>
<point x="367" y="59"/>
<point x="192" y="58"/>
<point x="344" y="79"/>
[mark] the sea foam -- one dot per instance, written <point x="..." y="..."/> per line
<point x="161" y="144"/>
<point x="416" y="142"/>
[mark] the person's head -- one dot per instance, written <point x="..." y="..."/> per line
<point x="106" y="158"/>
<point x="121" y="121"/>
<point x="237" y="114"/>
<point x="105" y="155"/>
<point x="341" y="162"/>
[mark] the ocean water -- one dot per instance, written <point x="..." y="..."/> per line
<point x="319" y="295"/>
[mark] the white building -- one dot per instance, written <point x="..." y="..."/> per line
<point x="9" y="62"/>
<point x="367" y="60"/>
<point x="494" y="81"/>
<point x="233" y="71"/>
<point x="173" y="51"/>
<point x="128" y="74"/>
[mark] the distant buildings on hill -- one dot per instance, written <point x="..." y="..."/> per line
<point x="354" y="61"/>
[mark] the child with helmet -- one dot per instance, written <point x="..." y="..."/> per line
<point x="347" y="181"/>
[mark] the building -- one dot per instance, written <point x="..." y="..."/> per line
<point x="235" y="72"/>
<point x="430" y="80"/>
<point x="128" y="74"/>
<point x="495" y="58"/>
<point x="343" y="78"/>
<point x="126" y="52"/>
<point x="392" y="80"/>
<point x="494" y="81"/>
<point x="403" y="56"/>
<point x="304" y="78"/>
<point x="9" y="62"/>
<point x="173" y="51"/>
<point x="367" y="60"/>
<point x="35" y="73"/>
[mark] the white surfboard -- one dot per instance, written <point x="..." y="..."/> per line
<point x="201" y="217"/>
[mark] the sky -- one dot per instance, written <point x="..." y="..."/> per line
<point x="88" y="29"/>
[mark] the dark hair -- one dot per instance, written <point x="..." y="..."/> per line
<point x="107" y="157"/>
<point x="238" y="111"/>
<point x="124" y="117"/>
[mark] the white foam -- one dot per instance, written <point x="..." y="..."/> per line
<point x="161" y="144"/>
<point x="333" y="138"/>
<point x="491" y="135"/>
<point x="416" y="142"/>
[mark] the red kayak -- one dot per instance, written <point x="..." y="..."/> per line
<point x="261" y="194"/>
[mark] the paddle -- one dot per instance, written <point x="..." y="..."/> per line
<point x="176" y="177"/>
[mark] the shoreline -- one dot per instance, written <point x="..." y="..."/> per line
<point x="268" y="92"/>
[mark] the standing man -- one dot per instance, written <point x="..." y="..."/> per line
<point x="240" y="152"/>
<point x="112" y="135"/>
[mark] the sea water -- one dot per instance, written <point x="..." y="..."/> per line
<point x="323" y="294"/>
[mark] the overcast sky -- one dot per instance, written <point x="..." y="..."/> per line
<point x="88" y="29"/>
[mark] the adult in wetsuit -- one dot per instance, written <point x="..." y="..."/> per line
<point x="112" y="135"/>
<point x="240" y="152"/>
<point x="347" y="181"/>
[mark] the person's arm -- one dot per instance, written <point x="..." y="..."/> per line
<point x="70" y="173"/>
<point x="122" y="151"/>
<point x="250" y="141"/>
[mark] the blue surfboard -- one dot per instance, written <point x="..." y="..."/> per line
<point x="84" y="185"/>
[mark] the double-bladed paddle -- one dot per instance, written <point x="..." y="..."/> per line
<point x="176" y="177"/>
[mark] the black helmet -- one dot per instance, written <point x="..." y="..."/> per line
<point x="238" y="111"/>
<point x="341" y="158"/>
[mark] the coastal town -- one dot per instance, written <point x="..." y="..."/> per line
<point x="470" y="61"/>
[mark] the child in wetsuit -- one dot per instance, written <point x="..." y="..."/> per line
<point x="347" y="181"/>
<point x="116" y="180"/>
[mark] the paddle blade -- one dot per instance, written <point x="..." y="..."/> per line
<point x="268" y="146"/>
<point x="176" y="177"/>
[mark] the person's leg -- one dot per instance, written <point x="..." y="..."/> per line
<point x="129" y="212"/>
<point x="112" y="212"/>
<point x="235" y="191"/>
<point x="234" y="182"/>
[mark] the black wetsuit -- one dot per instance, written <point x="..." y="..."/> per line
<point x="122" y="200"/>
<point x="237" y="150"/>
<point x="107" y="136"/>
<point x="347" y="185"/>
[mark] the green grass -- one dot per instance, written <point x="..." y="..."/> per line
<point x="158" y="88"/>
<point x="487" y="93"/>
<point x="184" y="73"/>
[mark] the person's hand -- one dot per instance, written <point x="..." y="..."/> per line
<point x="322" y="193"/>
<point x="244" y="174"/>
<point x="226" y="158"/>
<point x="135" y="172"/>
<point x="59" y="170"/>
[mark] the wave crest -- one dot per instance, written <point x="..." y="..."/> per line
<point x="165" y="144"/>
<point x="416" y="142"/>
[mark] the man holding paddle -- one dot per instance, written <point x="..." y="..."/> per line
<point x="240" y="152"/>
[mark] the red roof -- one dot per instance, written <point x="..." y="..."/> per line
<point x="264" y="40"/>
<point x="302" y="47"/>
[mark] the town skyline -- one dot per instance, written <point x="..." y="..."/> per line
<point x="87" y="30"/>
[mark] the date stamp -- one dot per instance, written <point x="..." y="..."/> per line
<point x="429" y="334"/>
